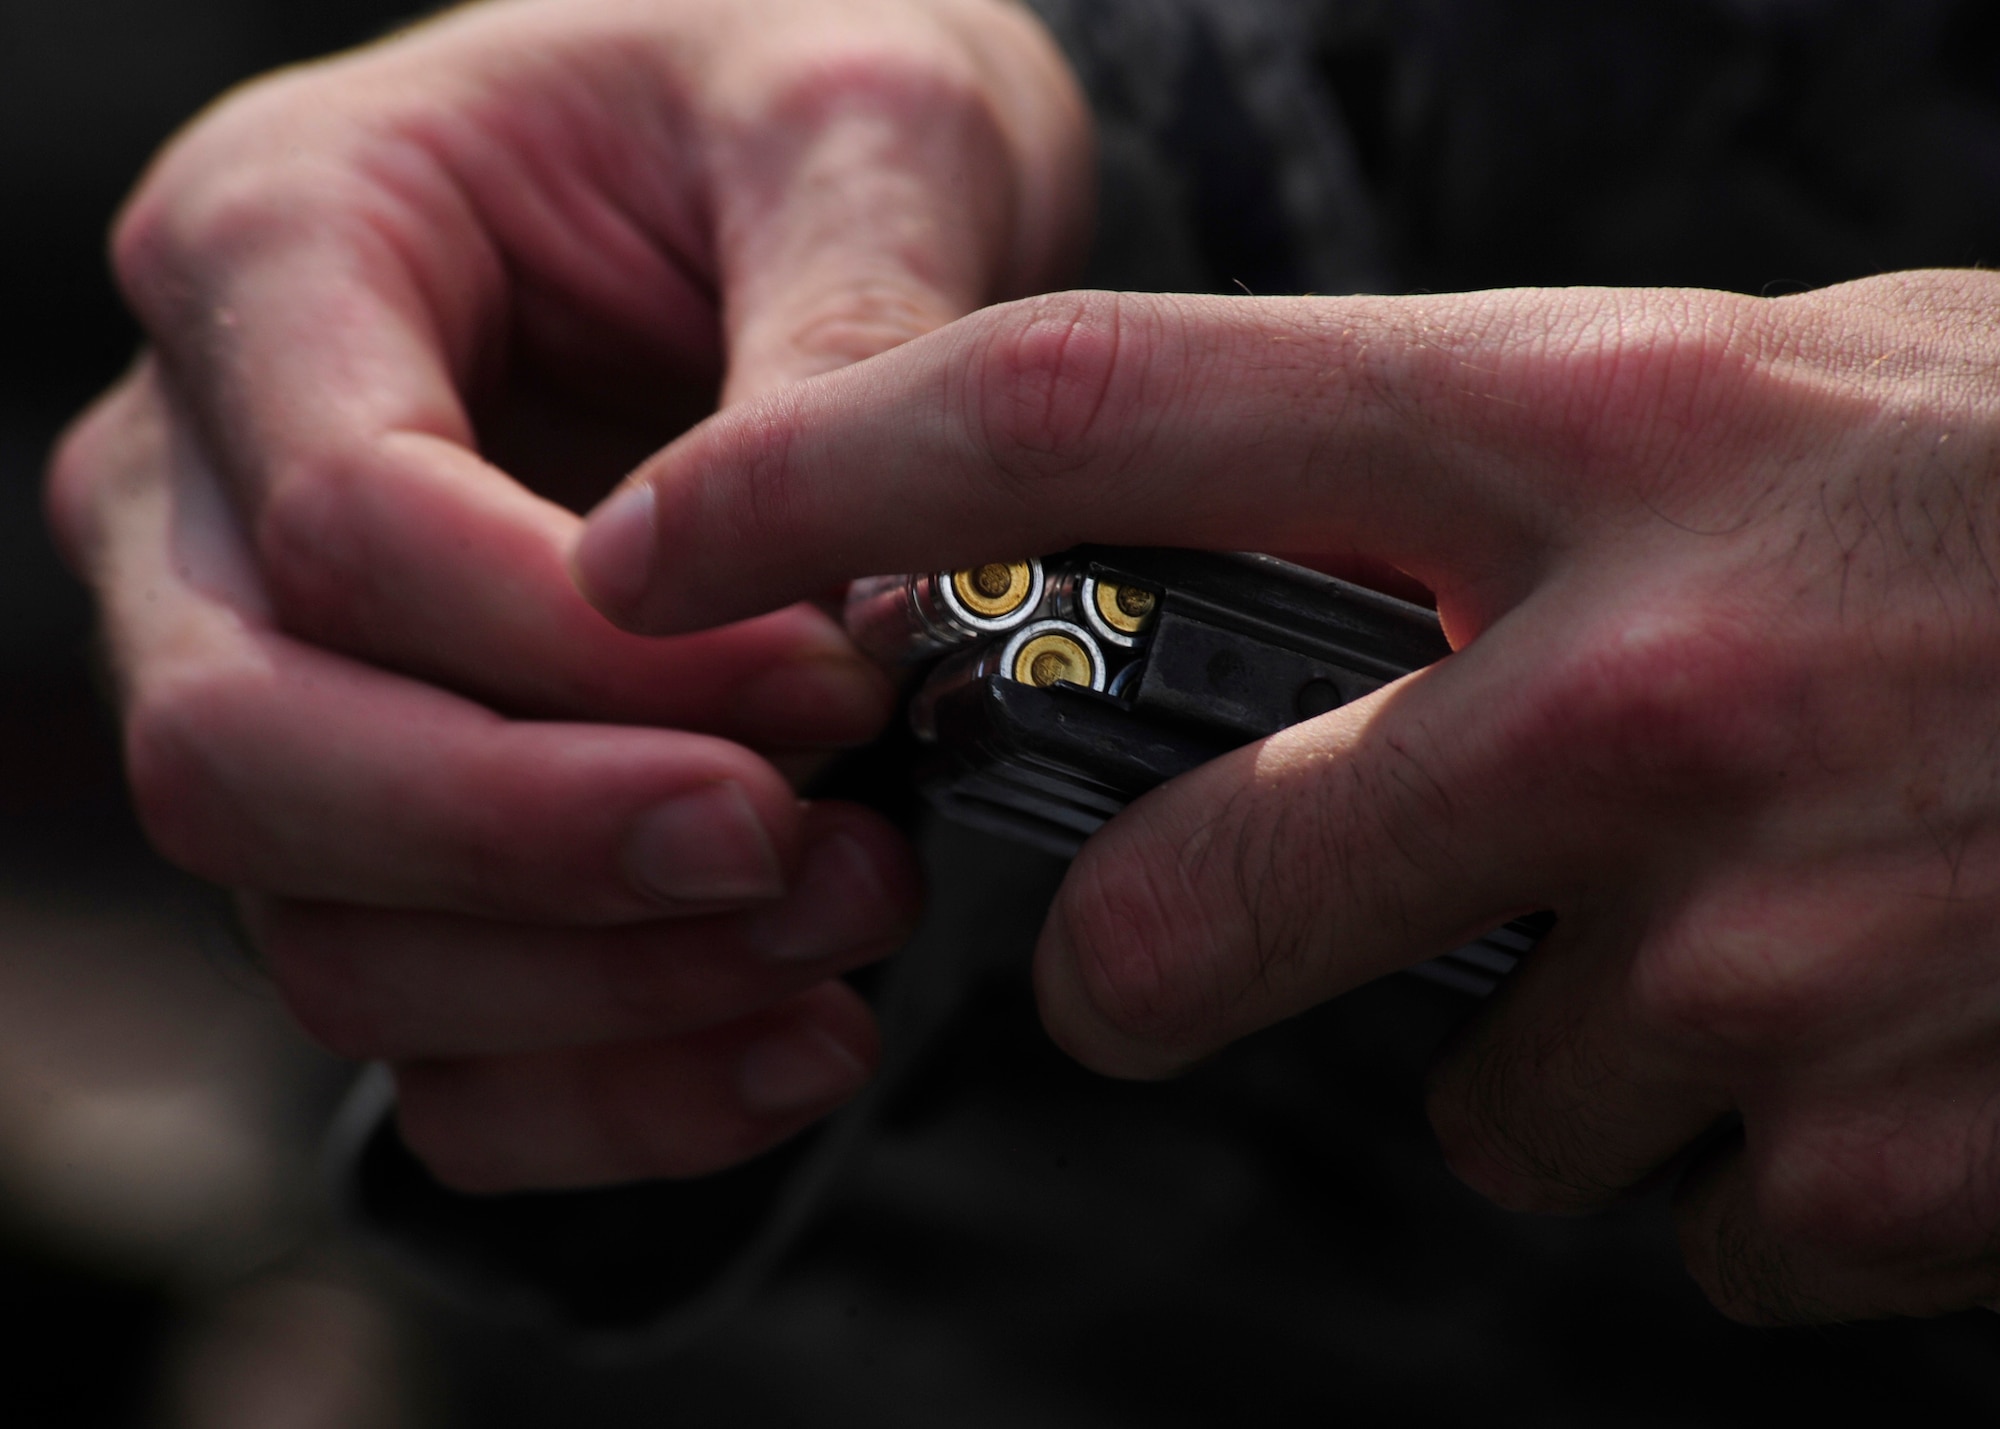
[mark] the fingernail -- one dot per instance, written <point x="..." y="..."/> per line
<point x="795" y="1070"/>
<point x="614" y="556"/>
<point x="707" y="846"/>
<point x="838" y="904"/>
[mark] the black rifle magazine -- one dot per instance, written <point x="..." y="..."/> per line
<point x="1138" y="665"/>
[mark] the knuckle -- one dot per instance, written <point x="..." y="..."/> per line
<point x="1662" y="366"/>
<point x="1630" y="382"/>
<point x="1496" y="1168"/>
<point x="911" y="78"/>
<point x="154" y="245"/>
<point x="1745" y="1278"/>
<point x="178" y="229"/>
<point x="761" y="448"/>
<point x="1741" y="978"/>
<point x="140" y="257"/>
<point x="1368" y="832"/>
<point x="1501" y="1132"/>
<point x="866" y="318"/>
<point x="1139" y="947"/>
<point x="1665" y="707"/>
<point x="1218" y="910"/>
<point x="1056" y="385"/>
<point x="1195" y="929"/>
<point x="1288" y="859"/>
<point x="1319" y="848"/>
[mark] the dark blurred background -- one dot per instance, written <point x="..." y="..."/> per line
<point x="163" y="1256"/>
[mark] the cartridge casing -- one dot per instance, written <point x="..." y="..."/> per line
<point x="1040" y="656"/>
<point x="905" y="618"/>
<point x="1119" y="613"/>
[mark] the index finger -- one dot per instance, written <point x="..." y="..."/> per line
<point x="1455" y="437"/>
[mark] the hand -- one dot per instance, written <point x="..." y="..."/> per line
<point x="405" y="304"/>
<point x="1720" y="573"/>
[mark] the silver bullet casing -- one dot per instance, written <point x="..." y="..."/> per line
<point x="901" y="619"/>
<point x="1118" y="615"/>
<point x="1041" y="654"/>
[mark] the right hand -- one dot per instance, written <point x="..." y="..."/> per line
<point x="1719" y="573"/>
<point x="533" y="861"/>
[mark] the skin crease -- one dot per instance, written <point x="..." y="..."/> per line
<point x="409" y="309"/>
<point x="1719" y="572"/>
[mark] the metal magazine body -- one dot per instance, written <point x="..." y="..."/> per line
<point x="1136" y="665"/>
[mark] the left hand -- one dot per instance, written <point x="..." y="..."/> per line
<point x="590" y="951"/>
<point x="1721" y="576"/>
<point x="407" y="302"/>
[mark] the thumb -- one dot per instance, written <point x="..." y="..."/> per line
<point x="886" y="205"/>
<point x="1267" y="881"/>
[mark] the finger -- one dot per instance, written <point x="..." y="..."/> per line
<point x="885" y="190"/>
<point x="637" y="1110"/>
<point x="259" y="761"/>
<point x="397" y="986"/>
<point x="1462" y="439"/>
<point x="328" y="321"/>
<point x="1279" y="875"/>
<point x="1548" y="759"/>
<point x="1624" y="1039"/>
<point x="1866" y="1177"/>
<point x="1878" y="1207"/>
<point x="1565" y="1092"/>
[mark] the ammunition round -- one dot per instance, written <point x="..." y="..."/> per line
<point x="911" y="617"/>
<point x="1046" y="653"/>
<point x="995" y="596"/>
<point x="994" y="590"/>
<point x="1117" y="613"/>
<point x="1051" y="652"/>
